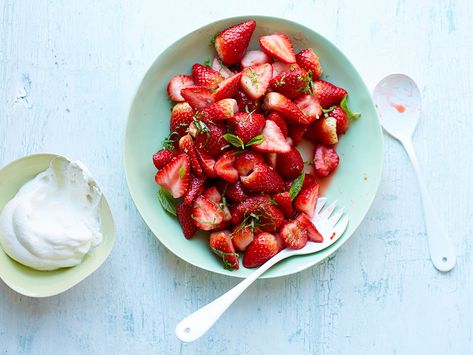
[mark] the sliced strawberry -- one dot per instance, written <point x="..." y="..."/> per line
<point x="296" y="132"/>
<point x="221" y="244"/>
<point x="231" y="43"/>
<point x="209" y="139"/>
<point x="292" y="84"/>
<point x="310" y="106"/>
<point x="198" y="97"/>
<point x="217" y="65"/>
<point x="246" y="161"/>
<point x="284" y="203"/>
<point x="325" y="160"/>
<point x="279" y="46"/>
<point x="252" y="204"/>
<point x="225" y="169"/>
<point x="274" y="141"/>
<point x="184" y="216"/>
<point x="263" y="179"/>
<point x="280" y="67"/>
<point x="263" y="247"/>
<point x="306" y="200"/>
<point x="196" y="187"/>
<point x="227" y="88"/>
<point x="309" y="180"/>
<point x="186" y="145"/>
<point x="206" y="214"/>
<point x="181" y="116"/>
<point x="274" y="101"/>
<point x="246" y="104"/>
<point x="242" y="236"/>
<point x="220" y="110"/>
<point x="252" y="58"/>
<point x="323" y="131"/>
<point x="308" y="60"/>
<point x="164" y="157"/>
<point x="213" y="194"/>
<point x="329" y="95"/>
<point x="342" y="119"/>
<point x="271" y="159"/>
<point x="235" y="192"/>
<point x="175" y="176"/>
<point x="293" y="235"/>
<point x="176" y="84"/>
<point x="280" y="121"/>
<point x="255" y="80"/>
<point x="312" y="232"/>
<point x="207" y="163"/>
<point x="247" y="125"/>
<point x="289" y="165"/>
<point x="205" y="76"/>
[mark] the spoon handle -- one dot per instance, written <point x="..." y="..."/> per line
<point x="441" y="248"/>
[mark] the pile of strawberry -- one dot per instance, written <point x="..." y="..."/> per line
<point x="231" y="154"/>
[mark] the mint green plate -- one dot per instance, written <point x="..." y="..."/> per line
<point x="354" y="184"/>
<point x="36" y="283"/>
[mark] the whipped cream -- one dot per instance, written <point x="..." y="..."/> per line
<point x="54" y="219"/>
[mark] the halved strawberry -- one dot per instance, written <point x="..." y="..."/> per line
<point x="329" y="95"/>
<point x="292" y="84"/>
<point x="271" y="159"/>
<point x="242" y="236"/>
<point x="325" y="160"/>
<point x="263" y="247"/>
<point x="176" y="84"/>
<point x="342" y="119"/>
<point x="209" y="139"/>
<point x="279" y="46"/>
<point x="205" y="76"/>
<point x="196" y="187"/>
<point x="186" y="145"/>
<point x="296" y="132"/>
<point x="224" y="168"/>
<point x="252" y="204"/>
<point x="221" y="244"/>
<point x="175" y="176"/>
<point x="207" y="163"/>
<point x="220" y="110"/>
<point x="280" y="67"/>
<point x="274" y="140"/>
<point x="217" y="65"/>
<point x="323" y="131"/>
<point x="198" y="97"/>
<point x="279" y="120"/>
<point x="164" y="157"/>
<point x="181" y="116"/>
<point x="255" y="80"/>
<point x="284" y="203"/>
<point x="246" y="104"/>
<point x="247" y="125"/>
<point x="213" y="194"/>
<point x="309" y="180"/>
<point x="184" y="216"/>
<point x="231" y="43"/>
<point x="227" y="88"/>
<point x="312" y="232"/>
<point x="307" y="199"/>
<point x="310" y="106"/>
<point x="277" y="102"/>
<point x="263" y="179"/>
<point x="206" y="214"/>
<point x="308" y="60"/>
<point x="246" y="161"/>
<point x="254" y="58"/>
<point x="289" y="165"/>
<point x="235" y="191"/>
<point x="293" y="235"/>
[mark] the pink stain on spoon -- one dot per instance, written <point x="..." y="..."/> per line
<point x="399" y="107"/>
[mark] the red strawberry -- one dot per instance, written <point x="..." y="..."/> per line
<point x="328" y="94"/>
<point x="289" y="165"/>
<point x="186" y="145"/>
<point x="196" y="187"/>
<point x="342" y="119"/>
<point x="247" y="125"/>
<point x="323" y="131"/>
<point x="217" y="65"/>
<point x="292" y="84"/>
<point x="207" y="163"/>
<point x="307" y="199"/>
<point x="213" y="194"/>
<point x="225" y="169"/>
<point x="312" y="232"/>
<point x="280" y="121"/>
<point x="181" y="116"/>
<point x="220" y="110"/>
<point x="263" y="248"/>
<point x="235" y="192"/>
<point x="308" y="60"/>
<point x="280" y="67"/>
<point x="231" y="43"/>
<point x="221" y="244"/>
<point x="309" y="180"/>
<point x="310" y="106"/>
<point x="325" y="160"/>
<point x="175" y="176"/>
<point x="250" y="205"/>
<point x="274" y="101"/>
<point x="246" y="161"/>
<point x="184" y="216"/>
<point x="206" y="214"/>
<point x="279" y="46"/>
<point x="274" y="140"/>
<point x="198" y="97"/>
<point x="178" y="83"/>
<point x="254" y="58"/>
<point x="164" y="157"/>
<point x="242" y="236"/>
<point x="263" y="179"/>
<point x="228" y="88"/>
<point x="296" y="132"/>
<point x="255" y="80"/>
<point x="284" y="203"/>
<point x="245" y="104"/>
<point x="205" y="76"/>
<point x="293" y="235"/>
<point x="210" y="139"/>
<point x="271" y="159"/>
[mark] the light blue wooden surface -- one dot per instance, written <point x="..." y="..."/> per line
<point x="68" y="71"/>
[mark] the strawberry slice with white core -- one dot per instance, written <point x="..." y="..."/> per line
<point x="293" y="235"/>
<point x="307" y="199"/>
<point x="254" y="58"/>
<point x="217" y="65"/>
<point x="242" y="236"/>
<point x="274" y="141"/>
<point x="279" y="46"/>
<point x="275" y="101"/>
<point x="213" y="194"/>
<point x="310" y="106"/>
<point x="207" y="215"/>
<point x="198" y="97"/>
<point x="312" y="232"/>
<point x="175" y="176"/>
<point x="228" y="88"/>
<point x="224" y="168"/>
<point x="176" y="84"/>
<point x="255" y="80"/>
<point x="280" y="68"/>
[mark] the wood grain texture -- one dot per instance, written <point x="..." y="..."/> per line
<point x="68" y="71"/>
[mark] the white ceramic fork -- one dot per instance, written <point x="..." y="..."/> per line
<point x="329" y="224"/>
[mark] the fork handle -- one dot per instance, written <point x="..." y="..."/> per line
<point x="195" y="325"/>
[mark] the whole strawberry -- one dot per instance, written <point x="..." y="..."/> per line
<point x="308" y="60"/>
<point x="292" y="84"/>
<point x="328" y="94"/>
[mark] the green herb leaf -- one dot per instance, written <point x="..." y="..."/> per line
<point x="344" y="106"/>
<point x="167" y="201"/>
<point x="234" y="140"/>
<point x="255" y="140"/>
<point x="296" y="186"/>
<point x="207" y="63"/>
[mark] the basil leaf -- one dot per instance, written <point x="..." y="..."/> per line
<point x="296" y="186"/>
<point x="167" y="201"/>
<point x="234" y="140"/>
<point x="255" y="140"/>
<point x="344" y="106"/>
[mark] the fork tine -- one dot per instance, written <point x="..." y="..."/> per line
<point x="328" y="211"/>
<point x="332" y="221"/>
<point x="320" y="204"/>
<point x="341" y="226"/>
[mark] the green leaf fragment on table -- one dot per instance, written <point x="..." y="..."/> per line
<point x="296" y="186"/>
<point x="168" y="202"/>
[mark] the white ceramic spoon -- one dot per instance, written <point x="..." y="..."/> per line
<point x="398" y="102"/>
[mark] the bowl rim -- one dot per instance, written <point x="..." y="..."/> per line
<point x="376" y="179"/>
